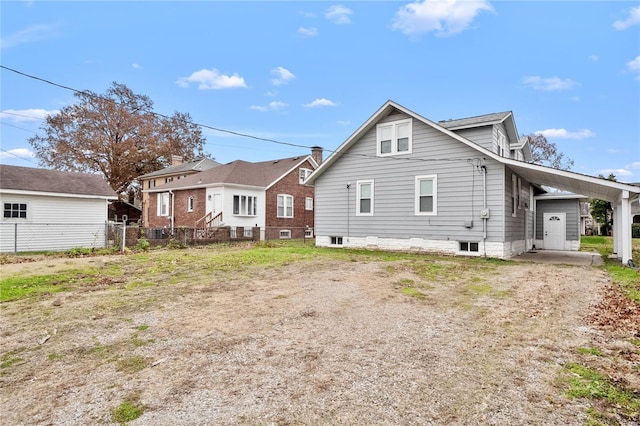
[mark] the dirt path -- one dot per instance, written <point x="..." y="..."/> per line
<point x="313" y="343"/>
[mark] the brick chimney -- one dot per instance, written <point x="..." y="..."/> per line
<point x="176" y="159"/>
<point x="316" y="154"/>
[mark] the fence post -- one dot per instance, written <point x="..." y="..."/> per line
<point x="124" y="235"/>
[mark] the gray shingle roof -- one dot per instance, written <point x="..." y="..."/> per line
<point x="192" y="166"/>
<point x="43" y="180"/>
<point x="480" y="120"/>
<point x="239" y="172"/>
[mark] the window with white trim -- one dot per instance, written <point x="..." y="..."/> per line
<point x="304" y="174"/>
<point x="336" y="241"/>
<point x="364" y="196"/>
<point x="308" y="203"/>
<point x="15" y="211"/>
<point x="190" y="204"/>
<point x="469" y="246"/>
<point x="394" y="138"/>
<point x="426" y="195"/>
<point x="514" y="195"/>
<point x="308" y="233"/>
<point x="519" y="193"/>
<point x="152" y="183"/>
<point x="285" y="234"/>
<point x="169" y="179"/>
<point x="245" y="205"/>
<point x="163" y="204"/>
<point x="248" y="232"/>
<point x="285" y="205"/>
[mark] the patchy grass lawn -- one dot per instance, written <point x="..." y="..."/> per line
<point x="287" y="333"/>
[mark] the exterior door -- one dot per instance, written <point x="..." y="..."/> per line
<point x="217" y="204"/>
<point x="554" y="230"/>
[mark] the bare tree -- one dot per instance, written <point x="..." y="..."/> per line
<point x="546" y="153"/>
<point x="116" y="134"/>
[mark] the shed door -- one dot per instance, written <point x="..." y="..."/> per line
<point x="554" y="231"/>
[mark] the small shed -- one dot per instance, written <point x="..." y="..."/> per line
<point x="557" y="221"/>
<point x="52" y="210"/>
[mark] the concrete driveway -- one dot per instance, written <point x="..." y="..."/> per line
<point x="561" y="257"/>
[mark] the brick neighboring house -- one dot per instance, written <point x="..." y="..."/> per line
<point x="177" y="170"/>
<point x="270" y="195"/>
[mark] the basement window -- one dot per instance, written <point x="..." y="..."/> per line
<point x="466" y="246"/>
<point x="336" y="241"/>
<point x="285" y="234"/>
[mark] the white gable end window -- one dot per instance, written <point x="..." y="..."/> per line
<point x="163" y="204"/>
<point x="426" y="195"/>
<point x="304" y="174"/>
<point x="365" y="198"/>
<point x="394" y="138"/>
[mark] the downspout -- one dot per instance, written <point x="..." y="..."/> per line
<point x="172" y="206"/>
<point x="484" y="207"/>
<point x="348" y="207"/>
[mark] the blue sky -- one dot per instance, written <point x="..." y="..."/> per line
<point x="310" y="73"/>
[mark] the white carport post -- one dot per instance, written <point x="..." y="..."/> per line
<point x="622" y="227"/>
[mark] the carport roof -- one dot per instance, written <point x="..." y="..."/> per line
<point x="570" y="181"/>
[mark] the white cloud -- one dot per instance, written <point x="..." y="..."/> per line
<point x="212" y="80"/>
<point x="444" y="17"/>
<point x="23" y="153"/>
<point x="549" y="83"/>
<point x="634" y="65"/>
<point x="565" y="134"/>
<point x="632" y="19"/>
<point x="308" y="31"/>
<point x="614" y="151"/>
<point x="282" y="76"/>
<point x="338" y="14"/>
<point x="344" y="122"/>
<point x="307" y="14"/>
<point x="320" y="102"/>
<point x="273" y="106"/>
<point x="616" y="172"/>
<point x="136" y="66"/>
<point x="634" y="166"/>
<point x="26" y="115"/>
<point x="28" y="35"/>
<point x="594" y="58"/>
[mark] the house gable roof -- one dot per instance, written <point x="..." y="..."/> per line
<point x="534" y="173"/>
<point x="16" y="178"/>
<point x="239" y="172"/>
<point x="193" y="167"/>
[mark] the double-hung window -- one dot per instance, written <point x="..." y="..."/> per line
<point x="394" y="138"/>
<point x="285" y="205"/>
<point x="244" y="205"/>
<point x="514" y="195"/>
<point x="426" y="195"/>
<point x="190" y="204"/>
<point x="15" y="211"/>
<point x="308" y="203"/>
<point x="163" y="204"/>
<point x="365" y="198"/>
<point x="304" y="174"/>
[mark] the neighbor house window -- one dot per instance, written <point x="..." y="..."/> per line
<point x="308" y="203"/>
<point x="285" y="205"/>
<point x="245" y="205"/>
<point x="285" y="234"/>
<point x="426" y="195"/>
<point x="304" y="174"/>
<point x="15" y="211"/>
<point x="514" y="195"/>
<point x="163" y="204"/>
<point x="308" y="233"/>
<point x="502" y="144"/>
<point x="248" y="232"/>
<point x="394" y="138"/>
<point x="152" y="183"/>
<point x="190" y="204"/>
<point x="169" y="179"/>
<point x="365" y="198"/>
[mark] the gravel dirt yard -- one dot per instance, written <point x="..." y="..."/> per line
<point x="321" y="341"/>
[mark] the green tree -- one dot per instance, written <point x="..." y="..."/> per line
<point x="601" y="209"/>
<point x="116" y="134"/>
<point x="546" y="153"/>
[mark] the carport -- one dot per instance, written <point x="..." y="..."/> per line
<point x="620" y="195"/>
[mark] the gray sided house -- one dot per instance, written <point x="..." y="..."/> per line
<point x="52" y="210"/>
<point x="465" y="187"/>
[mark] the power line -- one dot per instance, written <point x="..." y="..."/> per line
<point x="231" y="132"/>
<point x="16" y="155"/>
